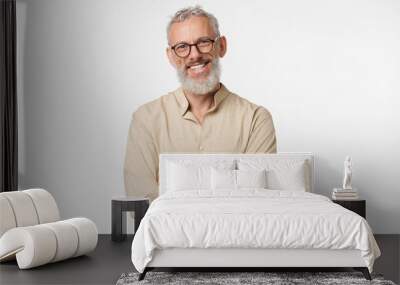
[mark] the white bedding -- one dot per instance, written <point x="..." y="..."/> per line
<point x="250" y="218"/>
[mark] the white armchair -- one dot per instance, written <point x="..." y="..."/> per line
<point x="32" y="233"/>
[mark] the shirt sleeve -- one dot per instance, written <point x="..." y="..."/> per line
<point x="141" y="161"/>
<point x="262" y="137"/>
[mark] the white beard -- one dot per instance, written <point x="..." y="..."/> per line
<point x="205" y="86"/>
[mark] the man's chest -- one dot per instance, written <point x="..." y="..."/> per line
<point x="216" y="133"/>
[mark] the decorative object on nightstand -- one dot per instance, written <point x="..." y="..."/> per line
<point x="357" y="206"/>
<point x="347" y="192"/>
<point x="344" y="194"/>
<point x="119" y="206"/>
<point x="348" y="173"/>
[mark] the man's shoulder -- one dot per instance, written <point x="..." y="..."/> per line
<point x="155" y="107"/>
<point x="247" y="106"/>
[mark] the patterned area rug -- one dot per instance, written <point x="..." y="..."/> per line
<point x="269" y="278"/>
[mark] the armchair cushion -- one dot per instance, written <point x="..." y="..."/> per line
<point x="31" y="233"/>
<point x="40" y="244"/>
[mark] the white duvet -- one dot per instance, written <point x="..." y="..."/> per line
<point x="250" y="218"/>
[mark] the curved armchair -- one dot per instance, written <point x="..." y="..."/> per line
<point x="31" y="231"/>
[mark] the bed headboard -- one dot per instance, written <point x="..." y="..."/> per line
<point x="209" y="157"/>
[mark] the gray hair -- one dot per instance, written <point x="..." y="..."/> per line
<point x="188" y="12"/>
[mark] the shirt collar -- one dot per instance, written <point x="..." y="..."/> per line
<point x="184" y="103"/>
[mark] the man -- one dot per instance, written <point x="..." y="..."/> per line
<point x="202" y="116"/>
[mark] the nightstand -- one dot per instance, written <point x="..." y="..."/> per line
<point x="120" y="205"/>
<point x="357" y="206"/>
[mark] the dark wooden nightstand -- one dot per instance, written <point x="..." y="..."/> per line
<point x="119" y="205"/>
<point x="357" y="206"/>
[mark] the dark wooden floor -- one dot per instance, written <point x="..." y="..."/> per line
<point x="110" y="260"/>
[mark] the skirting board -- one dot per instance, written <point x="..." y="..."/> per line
<point x="232" y="257"/>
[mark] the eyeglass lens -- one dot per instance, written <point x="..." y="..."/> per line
<point x="204" y="46"/>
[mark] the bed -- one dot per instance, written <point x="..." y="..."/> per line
<point x="245" y="211"/>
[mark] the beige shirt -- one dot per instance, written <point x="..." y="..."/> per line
<point x="232" y="125"/>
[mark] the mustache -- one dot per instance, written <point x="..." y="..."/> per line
<point x="183" y="70"/>
<point x="197" y="62"/>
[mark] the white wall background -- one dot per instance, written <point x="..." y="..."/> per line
<point x="329" y="72"/>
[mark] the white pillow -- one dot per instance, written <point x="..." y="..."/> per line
<point x="184" y="175"/>
<point x="223" y="179"/>
<point x="281" y="174"/>
<point x="236" y="179"/>
<point x="251" y="178"/>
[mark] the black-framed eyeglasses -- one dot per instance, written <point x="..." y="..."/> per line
<point x="204" y="45"/>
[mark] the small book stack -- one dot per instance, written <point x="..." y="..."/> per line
<point x="344" y="194"/>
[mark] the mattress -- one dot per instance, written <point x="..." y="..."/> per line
<point x="251" y="219"/>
